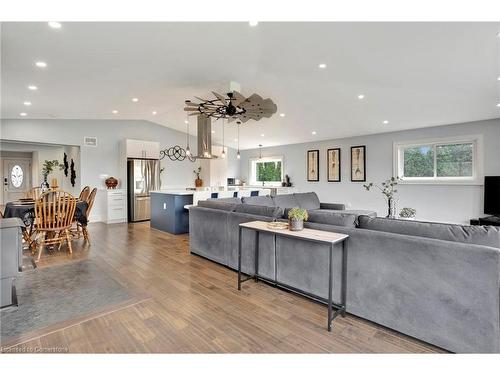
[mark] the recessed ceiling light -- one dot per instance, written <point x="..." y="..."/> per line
<point x="361" y="96"/>
<point x="313" y="132"/>
<point x="27" y="103"/>
<point x="186" y="122"/>
<point x="385" y="122"/>
<point x="135" y="100"/>
<point x="154" y="113"/>
<point x="498" y="35"/>
<point x="282" y="115"/>
<point x="114" y="111"/>
<point x="213" y="131"/>
<point x="236" y="139"/>
<point x="32" y="87"/>
<point x="55" y="25"/>
<point x="498" y="78"/>
<point x="322" y="66"/>
<point x="262" y="135"/>
<point x="253" y="23"/>
<point x="498" y="105"/>
<point x="23" y="114"/>
<point x="41" y="64"/>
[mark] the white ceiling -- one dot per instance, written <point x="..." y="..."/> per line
<point x="412" y="74"/>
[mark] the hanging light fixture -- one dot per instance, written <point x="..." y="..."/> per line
<point x="238" y="156"/>
<point x="260" y="151"/>
<point x="223" y="155"/>
<point x="188" y="151"/>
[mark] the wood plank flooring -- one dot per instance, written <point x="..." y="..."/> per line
<point x="195" y="306"/>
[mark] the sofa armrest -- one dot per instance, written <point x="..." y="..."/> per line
<point x="332" y="206"/>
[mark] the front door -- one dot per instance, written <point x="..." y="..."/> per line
<point x="16" y="178"/>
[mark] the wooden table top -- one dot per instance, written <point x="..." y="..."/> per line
<point x="306" y="233"/>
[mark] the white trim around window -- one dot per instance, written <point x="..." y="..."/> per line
<point x="252" y="171"/>
<point x="477" y="160"/>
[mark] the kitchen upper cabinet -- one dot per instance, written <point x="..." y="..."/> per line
<point x="138" y="149"/>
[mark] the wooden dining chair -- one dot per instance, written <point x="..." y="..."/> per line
<point x="54" y="212"/>
<point x="90" y="204"/>
<point x="84" y="194"/>
<point x="34" y="193"/>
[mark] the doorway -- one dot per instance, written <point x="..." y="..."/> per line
<point x="16" y="177"/>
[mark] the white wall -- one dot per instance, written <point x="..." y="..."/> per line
<point x="99" y="162"/>
<point x="445" y="203"/>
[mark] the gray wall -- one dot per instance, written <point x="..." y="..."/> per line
<point x="99" y="162"/>
<point x="447" y="203"/>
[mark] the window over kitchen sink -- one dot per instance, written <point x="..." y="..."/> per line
<point x="267" y="170"/>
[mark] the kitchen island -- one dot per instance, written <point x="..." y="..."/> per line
<point x="167" y="210"/>
<point x="170" y="207"/>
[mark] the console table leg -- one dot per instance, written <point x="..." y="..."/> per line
<point x="239" y="258"/>
<point x="256" y="268"/>
<point x="330" y="287"/>
<point x="344" y="276"/>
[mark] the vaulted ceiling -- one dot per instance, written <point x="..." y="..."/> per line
<point x="412" y="75"/>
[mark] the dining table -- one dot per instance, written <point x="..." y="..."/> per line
<point x="24" y="209"/>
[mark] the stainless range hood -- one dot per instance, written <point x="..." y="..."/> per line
<point x="204" y="138"/>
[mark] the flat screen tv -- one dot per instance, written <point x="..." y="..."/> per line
<point x="492" y="195"/>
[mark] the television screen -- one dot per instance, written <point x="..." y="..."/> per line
<point x="492" y="195"/>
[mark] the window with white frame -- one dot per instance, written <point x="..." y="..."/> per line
<point x="449" y="160"/>
<point x="267" y="170"/>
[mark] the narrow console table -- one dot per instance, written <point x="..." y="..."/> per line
<point x="312" y="235"/>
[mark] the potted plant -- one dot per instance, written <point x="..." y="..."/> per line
<point x="407" y="213"/>
<point x="388" y="189"/>
<point x="48" y="167"/>
<point x="296" y="218"/>
<point x="198" y="182"/>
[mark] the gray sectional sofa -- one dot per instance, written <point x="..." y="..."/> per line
<point x="438" y="283"/>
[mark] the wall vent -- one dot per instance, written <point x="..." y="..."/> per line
<point x="90" y="141"/>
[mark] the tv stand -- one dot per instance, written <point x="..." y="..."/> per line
<point x="488" y="220"/>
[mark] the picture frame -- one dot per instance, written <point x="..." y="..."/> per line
<point x="333" y="165"/>
<point x="358" y="163"/>
<point x="313" y="165"/>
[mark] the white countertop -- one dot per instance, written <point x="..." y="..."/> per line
<point x="174" y="192"/>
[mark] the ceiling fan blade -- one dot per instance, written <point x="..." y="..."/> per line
<point x="231" y="119"/>
<point x="189" y="109"/>
<point x="194" y="114"/>
<point x="200" y="99"/>
<point x="191" y="104"/>
<point x="220" y="97"/>
<point x="238" y="98"/>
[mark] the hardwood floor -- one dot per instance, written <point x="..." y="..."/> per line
<point x="195" y="306"/>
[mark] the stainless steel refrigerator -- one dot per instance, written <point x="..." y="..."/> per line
<point x="142" y="177"/>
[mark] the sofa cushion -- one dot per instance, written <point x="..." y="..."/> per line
<point x="285" y="201"/>
<point x="234" y="200"/>
<point x="479" y="235"/>
<point x="274" y="212"/>
<point x="332" y="218"/>
<point x="308" y="201"/>
<point x="258" y="201"/>
<point x="217" y="205"/>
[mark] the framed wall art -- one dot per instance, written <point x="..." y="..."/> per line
<point x="313" y="165"/>
<point x="333" y="167"/>
<point x="358" y="163"/>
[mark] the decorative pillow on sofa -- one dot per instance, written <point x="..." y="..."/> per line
<point x="274" y="212"/>
<point x="308" y="201"/>
<point x="332" y="218"/>
<point x="217" y="205"/>
<point x="285" y="201"/>
<point x="259" y="201"/>
<point x="478" y="235"/>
